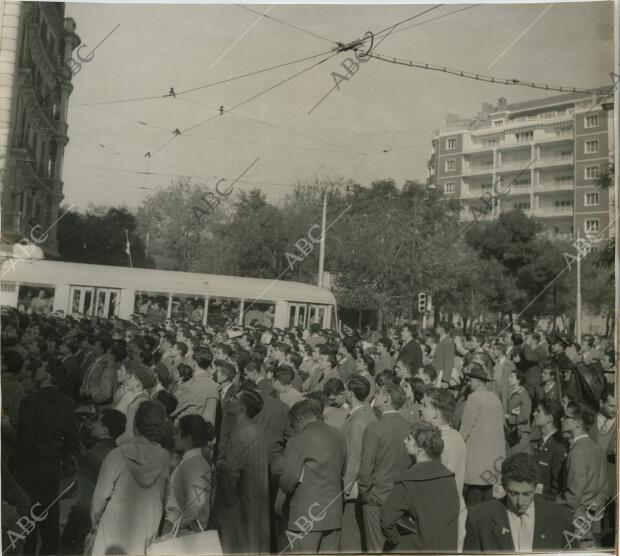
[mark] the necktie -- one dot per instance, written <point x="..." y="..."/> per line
<point x="523" y="536"/>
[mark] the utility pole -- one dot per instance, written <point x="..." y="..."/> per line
<point x="578" y="309"/>
<point x="322" y="245"/>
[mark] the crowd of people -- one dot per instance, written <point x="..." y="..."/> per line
<point x="303" y="441"/>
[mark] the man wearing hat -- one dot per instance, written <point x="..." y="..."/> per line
<point x="482" y="429"/>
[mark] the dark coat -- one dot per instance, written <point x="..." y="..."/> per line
<point x="426" y="493"/>
<point x="89" y="465"/>
<point x="383" y="457"/>
<point x="487" y="528"/>
<point x="319" y="451"/>
<point x="224" y="422"/>
<point x="243" y="492"/>
<point x="74" y="376"/>
<point x="47" y="430"/>
<point x="551" y="459"/>
<point x="272" y="419"/>
<point x="411" y="354"/>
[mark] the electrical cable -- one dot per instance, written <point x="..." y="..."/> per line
<point x="316" y="35"/>
<point x="479" y="76"/>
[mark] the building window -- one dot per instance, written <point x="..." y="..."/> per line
<point x="591" y="146"/>
<point x="564" y="203"/>
<point x="591" y="199"/>
<point x="449" y="187"/>
<point x="450" y="165"/>
<point x="591" y="226"/>
<point x="451" y="144"/>
<point x="498" y="123"/>
<point x="486" y="186"/>
<point x="522" y="206"/>
<point x="591" y="121"/>
<point x="525" y="137"/>
<point x="591" y="172"/>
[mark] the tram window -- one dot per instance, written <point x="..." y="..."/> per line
<point x="152" y="306"/>
<point x="35" y="299"/>
<point x="333" y="324"/>
<point x="187" y="307"/>
<point x="258" y="312"/>
<point x="223" y="311"/>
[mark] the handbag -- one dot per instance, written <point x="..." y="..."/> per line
<point x="204" y="542"/>
<point x="513" y="436"/>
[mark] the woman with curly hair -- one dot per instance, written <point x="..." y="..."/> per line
<point x="128" y="500"/>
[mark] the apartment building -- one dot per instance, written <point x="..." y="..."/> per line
<point x="542" y="156"/>
<point x="36" y="42"/>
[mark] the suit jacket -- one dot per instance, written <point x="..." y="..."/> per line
<point x="586" y="476"/>
<point x="73" y="378"/>
<point x="224" y="422"/>
<point x="383" y="457"/>
<point x="47" y="430"/>
<point x="411" y="353"/>
<point x="319" y="452"/>
<point x="354" y="427"/>
<point x="443" y="360"/>
<point x="550" y="457"/>
<point x="488" y="530"/>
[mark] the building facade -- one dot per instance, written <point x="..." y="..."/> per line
<point x="36" y="42"/>
<point x="544" y="156"/>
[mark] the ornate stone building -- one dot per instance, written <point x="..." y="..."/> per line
<point x="36" y="45"/>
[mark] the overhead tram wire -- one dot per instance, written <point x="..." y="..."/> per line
<point x="243" y="102"/>
<point x="311" y="33"/>
<point x="206" y="86"/>
<point x="481" y="77"/>
<point x="355" y="44"/>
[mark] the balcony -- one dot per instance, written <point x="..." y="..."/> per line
<point x="477" y="169"/>
<point x="557" y="136"/>
<point x="514" y="164"/>
<point x="546" y="162"/>
<point x="553" y="212"/>
<point x="553" y="186"/>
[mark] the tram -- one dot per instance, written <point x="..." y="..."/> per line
<point x="34" y="285"/>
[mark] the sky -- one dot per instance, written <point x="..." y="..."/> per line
<point x="382" y="106"/>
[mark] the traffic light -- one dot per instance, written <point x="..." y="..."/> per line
<point x="421" y="302"/>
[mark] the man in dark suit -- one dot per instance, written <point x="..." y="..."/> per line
<point x="522" y="521"/>
<point x="273" y="419"/>
<point x="383" y="458"/>
<point x="311" y="473"/>
<point x="410" y="352"/>
<point x="46" y="436"/>
<point x="443" y="358"/>
<point x="225" y="374"/>
<point x="550" y="450"/>
<point x="74" y="375"/>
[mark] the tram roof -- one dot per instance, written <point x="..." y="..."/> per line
<point x="41" y="272"/>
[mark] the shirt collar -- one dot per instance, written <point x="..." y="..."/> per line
<point x="193" y="452"/>
<point x="578" y="438"/>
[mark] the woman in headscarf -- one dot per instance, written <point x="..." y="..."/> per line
<point x="127" y="503"/>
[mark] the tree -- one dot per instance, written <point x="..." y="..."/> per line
<point x="179" y="221"/>
<point x="99" y="236"/>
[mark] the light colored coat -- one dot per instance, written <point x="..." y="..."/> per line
<point x="482" y="428"/>
<point x="128" y="501"/>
